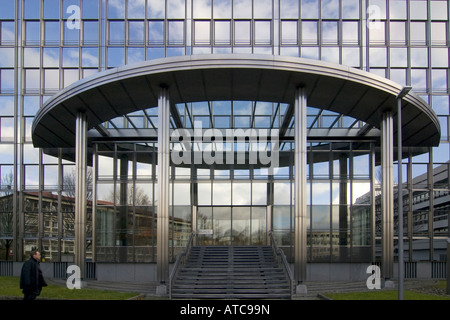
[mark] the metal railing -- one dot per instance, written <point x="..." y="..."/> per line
<point x="439" y="269"/>
<point x="410" y="269"/>
<point x="283" y="262"/>
<point x="6" y="268"/>
<point x="60" y="270"/>
<point x="181" y="260"/>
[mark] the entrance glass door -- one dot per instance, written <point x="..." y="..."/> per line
<point x="222" y="226"/>
<point x="240" y="226"/>
<point x="232" y="225"/>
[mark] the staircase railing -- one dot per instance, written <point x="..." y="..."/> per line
<point x="283" y="262"/>
<point x="181" y="260"/>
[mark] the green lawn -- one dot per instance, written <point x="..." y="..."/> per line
<point x="388" y="295"/>
<point x="9" y="287"/>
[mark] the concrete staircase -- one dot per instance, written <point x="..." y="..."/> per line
<point x="231" y="272"/>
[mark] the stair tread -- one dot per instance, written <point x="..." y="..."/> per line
<point x="231" y="272"/>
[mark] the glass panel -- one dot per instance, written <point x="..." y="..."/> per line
<point x="309" y="32"/>
<point x="7" y="11"/>
<point x="31" y="224"/>
<point x="202" y="32"/>
<point x="310" y="9"/>
<point x="439" y="57"/>
<point x="116" y="32"/>
<point x="182" y="192"/>
<point x="397" y="9"/>
<point x="419" y="10"/>
<point x="204" y="193"/>
<point x="258" y="226"/>
<point x="221" y="193"/>
<point x="242" y="9"/>
<point x="398" y="33"/>
<point x="330" y="32"/>
<point x="204" y="226"/>
<point x="241" y="226"/>
<point x="176" y="32"/>
<point x="116" y="57"/>
<point x="350" y="32"/>
<point x="439" y="80"/>
<point x="289" y="9"/>
<point x="263" y="9"/>
<point x="439" y="10"/>
<point x="89" y="57"/>
<point x="438" y="32"/>
<point x="222" y="9"/>
<point x="241" y="193"/>
<point x="263" y="34"/>
<point x="51" y="9"/>
<point x="222" y="30"/>
<point x="418" y="32"/>
<point x="361" y="166"/>
<point x="378" y="9"/>
<point x="116" y="9"/>
<point x="181" y="228"/>
<point x="242" y="32"/>
<point x="289" y="32"/>
<point x="281" y="217"/>
<point x="90" y="9"/>
<point x="259" y="194"/>
<point x="377" y="32"/>
<point x="136" y="32"/>
<point x="201" y="9"/>
<point x="222" y="226"/>
<point x="282" y="193"/>
<point x="32" y="9"/>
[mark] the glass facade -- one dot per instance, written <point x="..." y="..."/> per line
<point x="46" y="45"/>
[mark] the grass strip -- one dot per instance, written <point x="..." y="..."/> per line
<point x="390" y="294"/>
<point x="9" y="287"/>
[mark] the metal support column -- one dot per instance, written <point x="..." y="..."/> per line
<point x="80" y="191"/>
<point x="123" y="209"/>
<point x="401" y="266"/>
<point x="162" y="259"/>
<point x="387" y="194"/>
<point x="300" y="207"/>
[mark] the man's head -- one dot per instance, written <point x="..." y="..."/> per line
<point x="35" y="254"/>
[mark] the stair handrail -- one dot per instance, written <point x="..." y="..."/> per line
<point x="284" y="262"/>
<point x="181" y="259"/>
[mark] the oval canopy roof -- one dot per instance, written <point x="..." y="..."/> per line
<point x="129" y="88"/>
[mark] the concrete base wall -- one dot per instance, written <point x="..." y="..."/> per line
<point x="337" y="271"/>
<point x="126" y="272"/>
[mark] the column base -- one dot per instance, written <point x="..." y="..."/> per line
<point x="161" y="290"/>
<point x="388" y="284"/>
<point x="301" y="289"/>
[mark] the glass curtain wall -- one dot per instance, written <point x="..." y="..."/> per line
<point x="44" y="47"/>
<point x="339" y="195"/>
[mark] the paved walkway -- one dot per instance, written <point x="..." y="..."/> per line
<point x="314" y="289"/>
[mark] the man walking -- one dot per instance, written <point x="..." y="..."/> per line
<point x="31" y="278"/>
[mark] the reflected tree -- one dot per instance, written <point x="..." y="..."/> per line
<point x="6" y="213"/>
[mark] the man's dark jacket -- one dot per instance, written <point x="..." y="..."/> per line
<point x="31" y="278"/>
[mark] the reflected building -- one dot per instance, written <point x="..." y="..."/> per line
<point x="111" y="86"/>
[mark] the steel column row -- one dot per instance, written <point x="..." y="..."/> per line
<point x="300" y="207"/>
